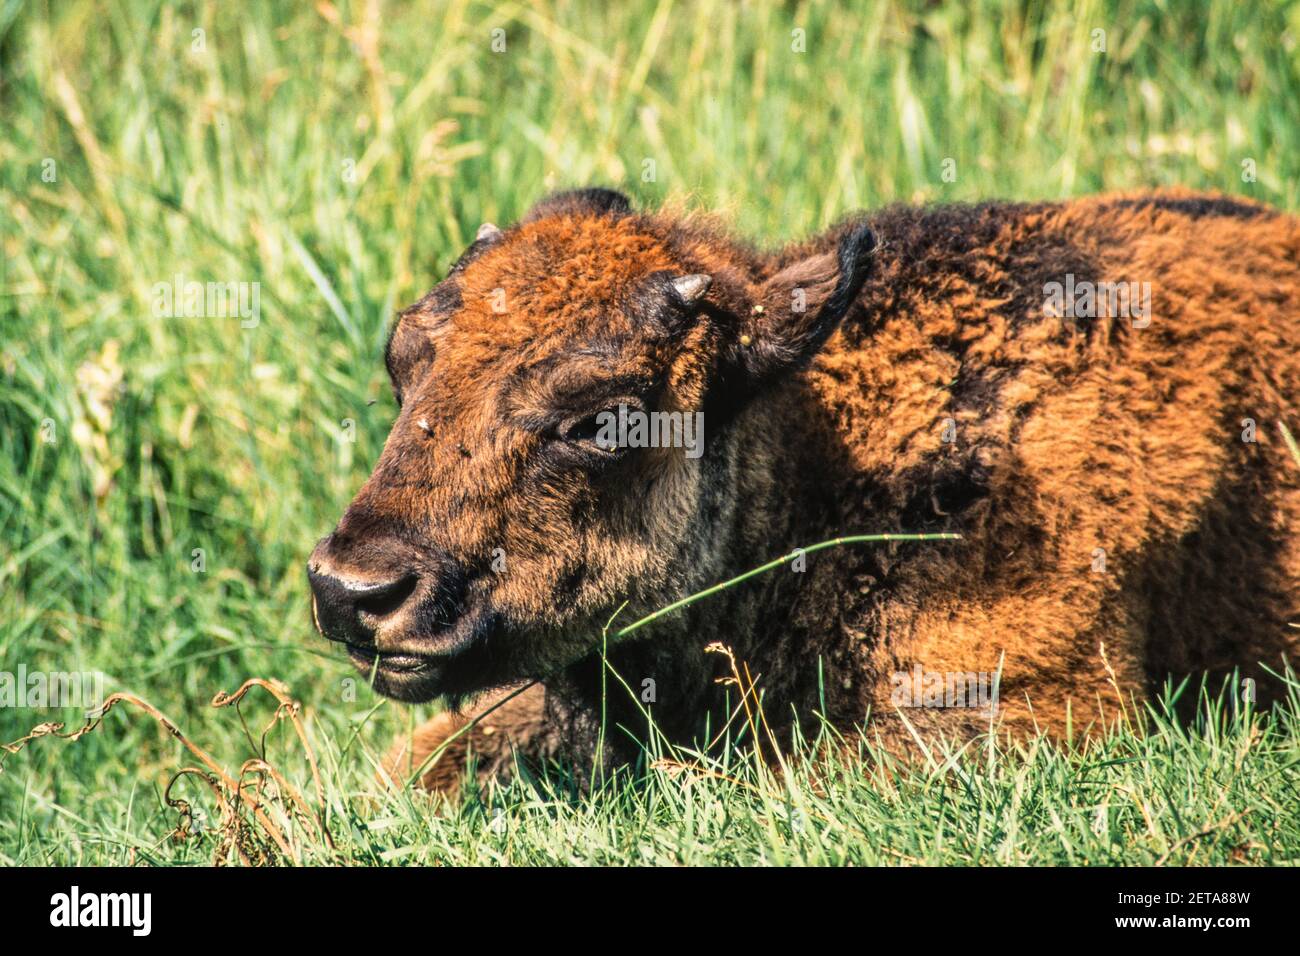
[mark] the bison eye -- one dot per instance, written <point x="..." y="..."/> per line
<point x="584" y="429"/>
<point x="591" y="432"/>
<point x="597" y="431"/>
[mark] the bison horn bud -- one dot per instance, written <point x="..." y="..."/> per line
<point x="690" y="289"/>
<point x="487" y="233"/>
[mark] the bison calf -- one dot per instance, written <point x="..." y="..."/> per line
<point x="1090" y="392"/>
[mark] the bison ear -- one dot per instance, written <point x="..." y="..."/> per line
<point x="593" y="202"/>
<point x="799" y="307"/>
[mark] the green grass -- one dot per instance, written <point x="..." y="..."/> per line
<point x="343" y="163"/>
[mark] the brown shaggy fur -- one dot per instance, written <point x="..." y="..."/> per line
<point x="1064" y="437"/>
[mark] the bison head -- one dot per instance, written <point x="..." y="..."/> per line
<point x="501" y="525"/>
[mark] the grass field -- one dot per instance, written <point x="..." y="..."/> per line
<point x="162" y="479"/>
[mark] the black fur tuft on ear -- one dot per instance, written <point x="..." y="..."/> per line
<point x="801" y="306"/>
<point x="595" y="201"/>
<point x="855" y="258"/>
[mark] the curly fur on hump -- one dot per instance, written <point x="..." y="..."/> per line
<point x="1118" y="480"/>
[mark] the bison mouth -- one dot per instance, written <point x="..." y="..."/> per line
<point x="451" y="663"/>
<point x="368" y="658"/>
<point x="412" y="678"/>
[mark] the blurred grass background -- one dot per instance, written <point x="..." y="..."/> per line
<point x="341" y="155"/>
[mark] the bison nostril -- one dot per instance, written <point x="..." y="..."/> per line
<point x="349" y="610"/>
<point x="383" y="599"/>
